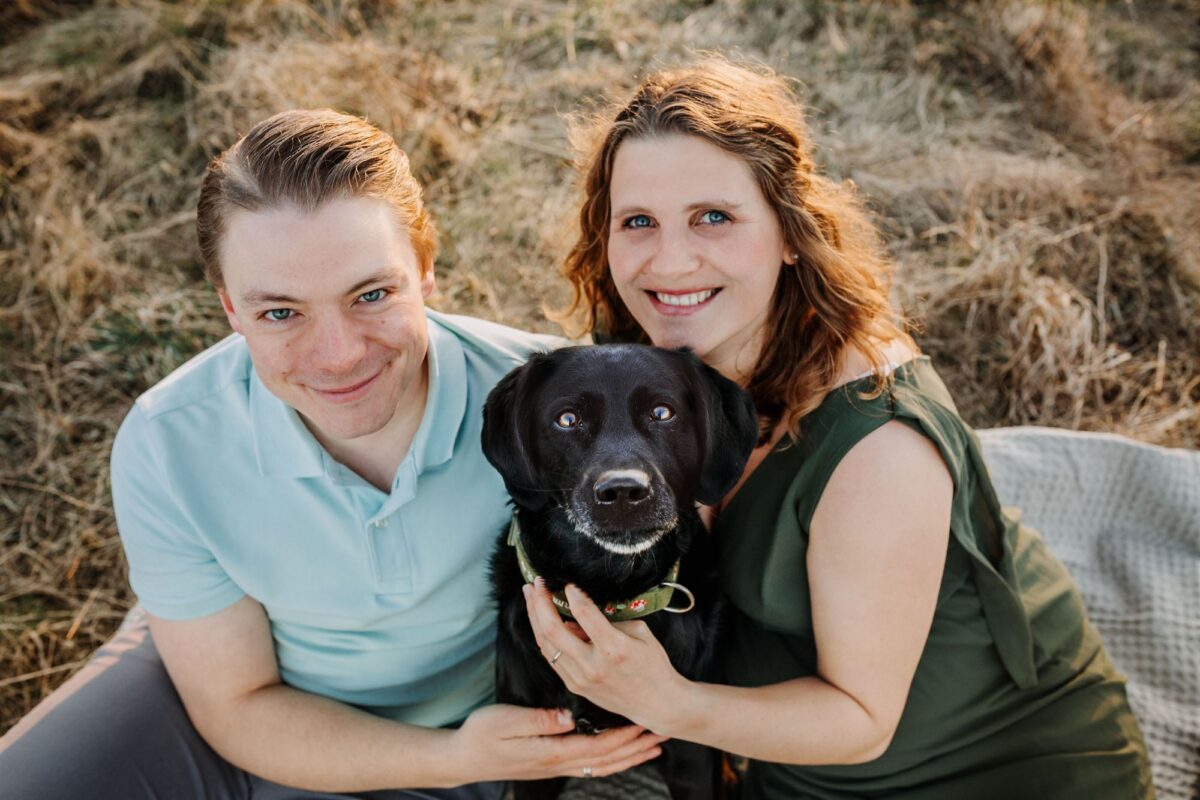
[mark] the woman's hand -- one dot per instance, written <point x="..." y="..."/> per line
<point x="620" y="667"/>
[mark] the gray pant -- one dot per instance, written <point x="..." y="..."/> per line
<point x="118" y="730"/>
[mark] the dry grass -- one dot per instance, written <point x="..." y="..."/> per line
<point x="1034" y="164"/>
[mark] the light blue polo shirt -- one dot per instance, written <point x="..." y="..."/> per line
<point x="379" y="600"/>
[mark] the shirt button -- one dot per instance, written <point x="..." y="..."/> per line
<point x="380" y="523"/>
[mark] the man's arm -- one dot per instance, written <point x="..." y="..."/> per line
<point x="223" y="666"/>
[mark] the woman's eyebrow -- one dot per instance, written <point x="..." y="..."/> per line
<point x="628" y="211"/>
<point x="706" y="204"/>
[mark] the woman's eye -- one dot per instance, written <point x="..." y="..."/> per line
<point x="279" y="314"/>
<point x="662" y="412"/>
<point x="567" y="419"/>
<point x="373" y="296"/>
<point x="638" y="221"/>
<point x="714" y="217"/>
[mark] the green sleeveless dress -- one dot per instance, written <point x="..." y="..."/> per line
<point x="1013" y="698"/>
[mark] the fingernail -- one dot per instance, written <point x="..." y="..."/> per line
<point x="525" y="590"/>
<point x="564" y="717"/>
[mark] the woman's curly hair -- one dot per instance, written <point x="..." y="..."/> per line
<point x="836" y="294"/>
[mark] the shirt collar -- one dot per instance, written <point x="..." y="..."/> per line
<point x="282" y="444"/>
<point x="285" y="447"/>
<point x="446" y="402"/>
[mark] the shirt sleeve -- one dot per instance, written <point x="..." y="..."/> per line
<point x="172" y="570"/>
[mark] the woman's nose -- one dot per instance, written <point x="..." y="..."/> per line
<point x="675" y="255"/>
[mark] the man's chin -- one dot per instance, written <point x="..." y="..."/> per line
<point x="342" y="427"/>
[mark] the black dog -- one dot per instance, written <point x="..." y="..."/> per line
<point x="605" y="451"/>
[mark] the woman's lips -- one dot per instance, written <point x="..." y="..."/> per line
<point x="678" y="304"/>
<point x="348" y="394"/>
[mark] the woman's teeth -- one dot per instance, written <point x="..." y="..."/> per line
<point x="693" y="299"/>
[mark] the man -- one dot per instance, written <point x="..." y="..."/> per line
<point x="307" y="514"/>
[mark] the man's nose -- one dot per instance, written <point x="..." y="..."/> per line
<point x="337" y="345"/>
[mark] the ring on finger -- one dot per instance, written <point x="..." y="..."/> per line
<point x="552" y="660"/>
<point x="587" y="772"/>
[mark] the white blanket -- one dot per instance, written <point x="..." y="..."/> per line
<point x="1125" y="519"/>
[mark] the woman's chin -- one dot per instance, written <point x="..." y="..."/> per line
<point x="676" y="340"/>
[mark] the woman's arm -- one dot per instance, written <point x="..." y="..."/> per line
<point x="876" y="553"/>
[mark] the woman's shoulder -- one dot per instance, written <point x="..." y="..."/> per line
<point x="893" y="462"/>
<point x="856" y="365"/>
<point x="861" y="402"/>
<point x="912" y="419"/>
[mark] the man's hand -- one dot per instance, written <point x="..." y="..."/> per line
<point x="510" y="742"/>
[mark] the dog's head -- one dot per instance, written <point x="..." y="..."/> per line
<point x="621" y="436"/>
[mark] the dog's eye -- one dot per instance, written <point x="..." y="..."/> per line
<point x="662" y="413"/>
<point x="567" y="419"/>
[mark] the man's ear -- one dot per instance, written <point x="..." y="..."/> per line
<point x="503" y="440"/>
<point x="230" y="314"/>
<point x="428" y="282"/>
<point x="732" y="431"/>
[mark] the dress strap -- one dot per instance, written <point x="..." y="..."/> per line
<point x="888" y="369"/>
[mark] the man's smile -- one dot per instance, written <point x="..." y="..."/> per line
<point x="347" y="394"/>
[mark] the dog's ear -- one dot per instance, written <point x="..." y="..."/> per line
<point x="503" y="442"/>
<point x="732" y="431"/>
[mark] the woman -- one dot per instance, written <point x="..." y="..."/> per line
<point x="892" y="632"/>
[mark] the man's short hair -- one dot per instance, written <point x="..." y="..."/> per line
<point x="306" y="158"/>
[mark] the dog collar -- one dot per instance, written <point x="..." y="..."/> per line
<point x="645" y="604"/>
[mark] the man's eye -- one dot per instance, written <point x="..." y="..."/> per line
<point x="638" y="221"/>
<point x="662" y="412"/>
<point x="567" y="419"/>
<point x="279" y="314"/>
<point x="373" y="296"/>
<point x="714" y="217"/>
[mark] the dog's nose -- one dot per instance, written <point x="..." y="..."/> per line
<point x="625" y="486"/>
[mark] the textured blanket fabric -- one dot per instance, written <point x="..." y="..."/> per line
<point x="1125" y="519"/>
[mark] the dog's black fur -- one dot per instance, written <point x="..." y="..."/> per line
<point x="570" y="503"/>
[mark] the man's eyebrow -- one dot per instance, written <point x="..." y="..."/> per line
<point x="256" y="296"/>
<point x="259" y="296"/>
<point x="383" y="276"/>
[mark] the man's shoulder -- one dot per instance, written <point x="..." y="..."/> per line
<point x="200" y="390"/>
<point x="492" y="342"/>
<point x="200" y="379"/>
